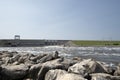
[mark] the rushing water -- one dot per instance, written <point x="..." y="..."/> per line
<point x="105" y="54"/>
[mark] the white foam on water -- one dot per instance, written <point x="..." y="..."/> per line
<point x="69" y="51"/>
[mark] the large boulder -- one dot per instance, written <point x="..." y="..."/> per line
<point x="70" y="62"/>
<point x="54" y="64"/>
<point x="25" y="59"/>
<point x="14" y="72"/>
<point x="103" y="76"/>
<point x="48" y="57"/>
<point x="58" y="74"/>
<point x="54" y="74"/>
<point x="33" y="72"/>
<point x="38" y="71"/>
<point x="13" y="59"/>
<point x="86" y="67"/>
<point x="70" y="76"/>
<point x="37" y="57"/>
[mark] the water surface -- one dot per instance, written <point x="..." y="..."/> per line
<point x="105" y="54"/>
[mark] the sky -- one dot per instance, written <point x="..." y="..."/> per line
<point x="60" y="19"/>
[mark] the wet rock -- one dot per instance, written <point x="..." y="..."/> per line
<point x="14" y="72"/>
<point x="86" y="67"/>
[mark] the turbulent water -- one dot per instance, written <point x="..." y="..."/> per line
<point x="105" y="54"/>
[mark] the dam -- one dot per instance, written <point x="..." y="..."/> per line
<point x="30" y="42"/>
<point x="17" y="42"/>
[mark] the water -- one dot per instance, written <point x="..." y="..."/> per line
<point x="104" y="54"/>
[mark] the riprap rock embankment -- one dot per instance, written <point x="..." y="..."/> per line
<point x="16" y="66"/>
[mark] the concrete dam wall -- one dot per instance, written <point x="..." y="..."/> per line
<point x="30" y="43"/>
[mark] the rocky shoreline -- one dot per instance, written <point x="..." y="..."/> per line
<point x="17" y="66"/>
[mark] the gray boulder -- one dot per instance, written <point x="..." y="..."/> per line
<point x="38" y="71"/>
<point x="14" y="72"/>
<point x="13" y="59"/>
<point x="53" y="64"/>
<point x="33" y="72"/>
<point x="103" y="76"/>
<point x="58" y="74"/>
<point x="54" y="74"/>
<point x="86" y="67"/>
<point x="69" y="62"/>
<point x="37" y="57"/>
<point x="70" y="76"/>
<point x="48" y="57"/>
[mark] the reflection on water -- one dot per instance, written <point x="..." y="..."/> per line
<point x="106" y="54"/>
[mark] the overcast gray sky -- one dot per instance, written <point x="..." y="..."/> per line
<point x="60" y="19"/>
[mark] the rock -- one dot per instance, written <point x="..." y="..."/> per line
<point x="54" y="74"/>
<point x="69" y="62"/>
<point x="24" y="58"/>
<point x="100" y="76"/>
<point x="86" y="67"/>
<point x="117" y="72"/>
<point x="13" y="59"/>
<point x="33" y="72"/>
<point x="77" y="58"/>
<point x="14" y="66"/>
<point x="1" y="62"/>
<point x="115" y="78"/>
<point x="48" y="57"/>
<point x="37" y="57"/>
<point x="58" y="74"/>
<point x="38" y="71"/>
<point x="5" y="60"/>
<point x="104" y="76"/>
<point x="70" y="76"/>
<point x="6" y="54"/>
<point x="15" y="71"/>
<point x="54" y="64"/>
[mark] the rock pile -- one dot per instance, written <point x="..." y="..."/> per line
<point x="16" y="66"/>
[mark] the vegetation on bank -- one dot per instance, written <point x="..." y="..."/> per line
<point x="95" y="43"/>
